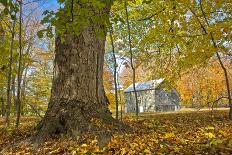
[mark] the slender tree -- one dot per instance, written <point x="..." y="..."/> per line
<point x="115" y="72"/>
<point x="14" y="95"/>
<point x="2" y="106"/>
<point x="131" y="61"/>
<point x="119" y="89"/>
<point x="120" y="96"/>
<point x="19" y="65"/>
<point x="23" y="90"/>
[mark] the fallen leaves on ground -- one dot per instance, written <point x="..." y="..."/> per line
<point x="172" y="133"/>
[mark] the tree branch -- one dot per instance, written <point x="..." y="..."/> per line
<point x="151" y="16"/>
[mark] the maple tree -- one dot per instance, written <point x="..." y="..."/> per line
<point x="79" y="90"/>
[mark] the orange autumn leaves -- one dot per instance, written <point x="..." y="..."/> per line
<point x="170" y="133"/>
<point x="207" y="83"/>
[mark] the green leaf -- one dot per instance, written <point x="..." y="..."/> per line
<point x="13" y="17"/>
<point x="6" y="11"/>
<point x="40" y="34"/>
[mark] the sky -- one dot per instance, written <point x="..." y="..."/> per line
<point x="43" y="4"/>
<point x="51" y="4"/>
<point x="33" y="11"/>
<point x="37" y="7"/>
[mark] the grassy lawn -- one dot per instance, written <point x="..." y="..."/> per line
<point x="183" y="132"/>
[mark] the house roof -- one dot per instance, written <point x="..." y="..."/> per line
<point x="147" y="85"/>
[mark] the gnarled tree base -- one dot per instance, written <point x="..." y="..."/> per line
<point x="75" y="118"/>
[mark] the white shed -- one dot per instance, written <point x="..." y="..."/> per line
<point x="151" y="97"/>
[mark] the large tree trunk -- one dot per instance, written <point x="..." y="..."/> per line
<point x="78" y="104"/>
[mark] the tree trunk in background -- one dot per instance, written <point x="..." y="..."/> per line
<point x="23" y="95"/>
<point x="119" y="94"/>
<point x="13" y="95"/>
<point x="2" y="106"/>
<point x="115" y="73"/>
<point x="24" y="79"/>
<point x="192" y="101"/>
<point x="227" y="84"/>
<point x="132" y="63"/>
<point x="19" y="67"/>
<point x="8" y="100"/>
<point x="78" y="102"/>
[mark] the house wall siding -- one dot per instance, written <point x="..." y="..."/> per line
<point x="152" y="100"/>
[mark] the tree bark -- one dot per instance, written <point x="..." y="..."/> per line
<point x="23" y="77"/>
<point x="227" y="84"/>
<point x="119" y="94"/>
<point x="115" y="73"/>
<point x="2" y="106"/>
<point x="13" y="95"/>
<point x="132" y="63"/>
<point x="23" y="90"/>
<point x="78" y="104"/>
<point x="19" y="67"/>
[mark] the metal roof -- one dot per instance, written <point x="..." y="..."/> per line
<point x="147" y="85"/>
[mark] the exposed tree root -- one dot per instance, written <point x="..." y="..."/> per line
<point x="76" y="119"/>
